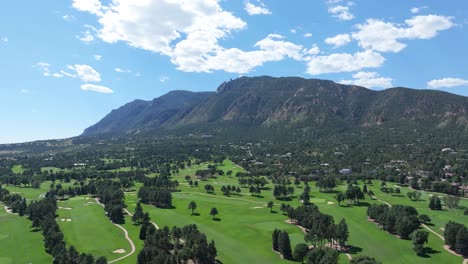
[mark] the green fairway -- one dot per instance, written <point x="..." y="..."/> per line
<point x="245" y="228"/>
<point x="87" y="228"/>
<point x="34" y="194"/>
<point x="17" y="243"/>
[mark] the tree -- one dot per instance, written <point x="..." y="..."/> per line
<point x="461" y="244"/>
<point x="270" y="205"/>
<point x="137" y="217"/>
<point x="300" y="252"/>
<point x="192" y="206"/>
<point x="342" y="233"/>
<point x="284" y="245"/>
<point x="364" y="188"/>
<point x="419" y="238"/>
<point x="434" y="203"/>
<point x="213" y="212"/>
<point x="423" y="218"/>
<point x="451" y="201"/>
<point x="101" y="260"/>
<point x="143" y="231"/>
<point x="321" y="255"/>
<point x="274" y="238"/>
<point x="340" y="197"/>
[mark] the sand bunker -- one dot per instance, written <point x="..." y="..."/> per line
<point x="119" y="251"/>
<point x="69" y="220"/>
<point x="8" y="210"/>
<point x="330" y="203"/>
<point x="257" y="207"/>
<point x="65" y="220"/>
<point x="65" y="208"/>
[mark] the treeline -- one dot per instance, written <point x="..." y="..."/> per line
<point x="398" y="219"/>
<point x="456" y="237"/>
<point x="112" y="197"/>
<point x="42" y="214"/>
<point x="178" y="245"/>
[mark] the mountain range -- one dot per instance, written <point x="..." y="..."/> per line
<point x="287" y="102"/>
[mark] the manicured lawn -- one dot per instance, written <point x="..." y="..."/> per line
<point x="90" y="230"/>
<point x="34" y="194"/>
<point x="246" y="229"/>
<point x="17" y="243"/>
<point x="17" y="169"/>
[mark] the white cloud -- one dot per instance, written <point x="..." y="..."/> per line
<point x="91" y="6"/>
<point x="369" y="80"/>
<point x="163" y="78"/>
<point x="344" y="62"/>
<point x="97" y="57"/>
<point x="416" y="10"/>
<point x="68" y="18"/>
<point x="256" y="10"/>
<point x="189" y="34"/>
<point x="341" y="12"/>
<point x="85" y="72"/>
<point x="24" y="91"/>
<point x="4" y="39"/>
<point x="294" y="31"/>
<point x="307" y="35"/>
<point x="64" y="73"/>
<point x="384" y="36"/>
<point x="338" y="40"/>
<point x="447" y="82"/>
<point x="57" y="75"/>
<point x="86" y="37"/>
<point x="122" y="70"/>
<point x="96" y="88"/>
<point x="44" y="67"/>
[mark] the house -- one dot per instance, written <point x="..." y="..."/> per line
<point x="346" y="171"/>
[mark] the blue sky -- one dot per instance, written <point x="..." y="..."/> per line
<point x="65" y="64"/>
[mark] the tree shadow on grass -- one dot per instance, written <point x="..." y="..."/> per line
<point x="195" y="214"/>
<point x="274" y="212"/>
<point x="216" y="219"/>
<point x="428" y="252"/>
<point x="354" y="249"/>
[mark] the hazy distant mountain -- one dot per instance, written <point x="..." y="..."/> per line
<point x="288" y="102"/>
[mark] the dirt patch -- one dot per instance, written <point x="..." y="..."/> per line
<point x="446" y="247"/>
<point x="303" y="229"/>
<point x="119" y="251"/>
<point x="8" y="210"/>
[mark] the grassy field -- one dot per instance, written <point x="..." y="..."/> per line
<point x="34" y="194"/>
<point x="17" y="243"/>
<point x="90" y="230"/>
<point x="246" y="225"/>
<point x="17" y="169"/>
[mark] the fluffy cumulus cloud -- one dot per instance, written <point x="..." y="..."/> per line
<point x="256" y="9"/>
<point x="369" y="80"/>
<point x="338" y="40"/>
<point x="386" y="37"/>
<point x="416" y="10"/>
<point x="447" y="83"/>
<point x="120" y="70"/>
<point x="189" y="34"/>
<point x="96" y="88"/>
<point x="341" y="12"/>
<point x="344" y="62"/>
<point x="85" y="72"/>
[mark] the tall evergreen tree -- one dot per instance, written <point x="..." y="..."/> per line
<point x="284" y="245"/>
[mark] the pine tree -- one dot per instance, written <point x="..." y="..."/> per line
<point x="461" y="244"/>
<point x="138" y="215"/>
<point x="342" y="233"/>
<point x="284" y="245"/>
<point x="143" y="231"/>
<point x="275" y="238"/>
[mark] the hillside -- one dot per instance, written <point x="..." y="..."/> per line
<point x="289" y="102"/>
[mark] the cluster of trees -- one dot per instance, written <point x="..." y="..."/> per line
<point x="282" y="191"/>
<point x="398" y="219"/>
<point x="282" y="243"/>
<point x="434" y="203"/>
<point x="451" y="201"/>
<point x="158" y="197"/>
<point x="178" y="245"/>
<point x="209" y="188"/>
<point x="112" y="197"/>
<point x="456" y="237"/>
<point x="326" y="183"/>
<point x="15" y="202"/>
<point x="353" y="194"/>
<point x="320" y="227"/>
<point x="227" y="190"/>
